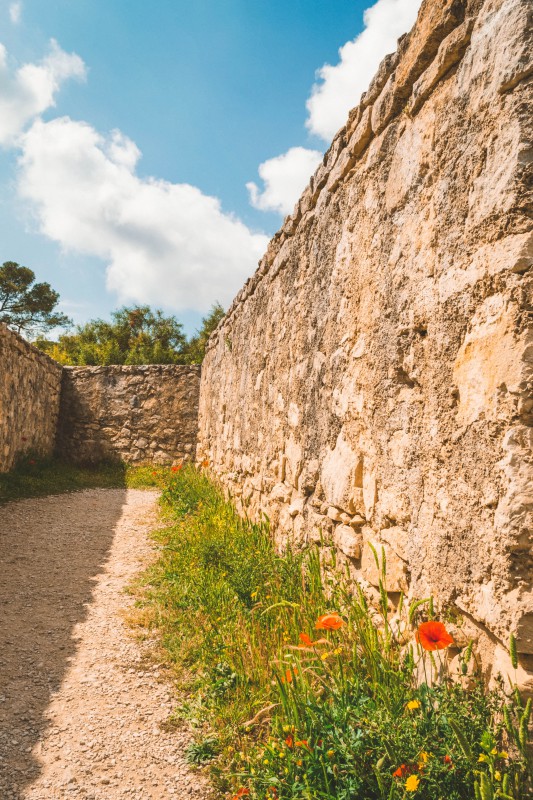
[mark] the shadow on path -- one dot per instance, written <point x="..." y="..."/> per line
<point x="51" y="551"/>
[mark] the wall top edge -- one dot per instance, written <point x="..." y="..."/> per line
<point x="30" y="348"/>
<point x="390" y="91"/>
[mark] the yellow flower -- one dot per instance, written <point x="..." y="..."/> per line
<point x="337" y="651"/>
<point x="423" y="758"/>
<point x="503" y="754"/>
<point x="325" y="656"/>
<point x="483" y="758"/>
<point x="494" y="752"/>
<point x="497" y="776"/>
<point x="412" y="705"/>
<point x="265" y="761"/>
<point x="254" y="595"/>
<point x="330" y="753"/>
<point x="412" y="783"/>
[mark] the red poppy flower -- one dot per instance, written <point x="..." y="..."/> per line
<point x="329" y="622"/>
<point x="433" y="636"/>
<point x="241" y="793"/>
<point x="205" y="463"/>
<point x="289" y="741"/>
<point x="306" y="641"/>
<point x="177" y="469"/>
<point x="448" y="760"/>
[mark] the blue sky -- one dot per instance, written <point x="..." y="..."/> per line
<point x="206" y="92"/>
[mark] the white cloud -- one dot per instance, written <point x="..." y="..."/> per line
<point x="165" y="244"/>
<point x="15" y="11"/>
<point x="284" y="177"/>
<point x="341" y="85"/>
<point x="30" y="90"/>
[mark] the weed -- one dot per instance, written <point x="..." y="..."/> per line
<point x="200" y="752"/>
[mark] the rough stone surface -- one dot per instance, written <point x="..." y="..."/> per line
<point x="30" y="384"/>
<point x="83" y="703"/>
<point x="140" y="414"/>
<point x="380" y="361"/>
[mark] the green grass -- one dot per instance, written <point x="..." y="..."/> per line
<point x="34" y="477"/>
<point x="365" y="714"/>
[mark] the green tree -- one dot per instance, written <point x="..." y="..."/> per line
<point x="136" y="335"/>
<point x="27" y="306"/>
<point x="198" y="343"/>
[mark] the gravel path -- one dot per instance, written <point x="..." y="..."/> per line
<point x="81" y="700"/>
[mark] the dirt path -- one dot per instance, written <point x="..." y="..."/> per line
<point x="81" y="701"/>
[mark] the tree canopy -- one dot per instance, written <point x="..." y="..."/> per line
<point x="26" y="306"/>
<point x="136" y="335"/>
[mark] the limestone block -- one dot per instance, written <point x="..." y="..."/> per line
<point x="294" y="461"/>
<point x="396" y="576"/>
<point x="309" y="477"/>
<point x="281" y="492"/>
<point x="339" y="473"/>
<point x="398" y="539"/>
<point x="297" y="506"/>
<point x="491" y="355"/>
<point x="451" y="50"/>
<point x="348" y="541"/>
<point x="362" y="134"/>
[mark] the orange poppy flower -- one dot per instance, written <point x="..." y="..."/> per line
<point x="329" y="622"/>
<point x="289" y="676"/>
<point x="177" y="468"/>
<point x="400" y="772"/>
<point x="241" y="793"/>
<point x="302" y="743"/>
<point x="306" y="641"/>
<point x="289" y="741"/>
<point x="205" y="463"/>
<point x="404" y="769"/>
<point x="433" y="636"/>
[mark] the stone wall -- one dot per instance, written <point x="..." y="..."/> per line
<point x="29" y="399"/>
<point x="372" y="382"/>
<point x="140" y="414"/>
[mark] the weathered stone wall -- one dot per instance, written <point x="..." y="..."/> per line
<point x="373" y="380"/>
<point x="140" y="414"/>
<point x="29" y="399"/>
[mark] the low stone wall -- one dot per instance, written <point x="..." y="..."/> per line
<point x="372" y="384"/>
<point x="140" y="414"/>
<point x="30" y="384"/>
